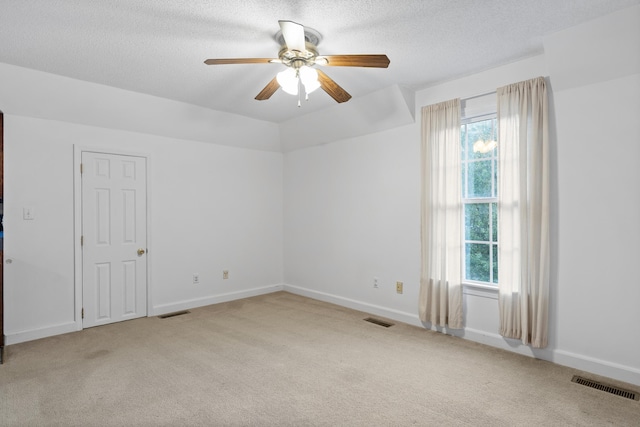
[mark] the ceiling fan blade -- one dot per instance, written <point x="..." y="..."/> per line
<point x="293" y="34"/>
<point x="376" y="61"/>
<point x="332" y="88"/>
<point x="268" y="90"/>
<point x="241" y="61"/>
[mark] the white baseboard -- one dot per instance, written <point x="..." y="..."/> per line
<point x="49" y="331"/>
<point x="597" y="366"/>
<point x="400" y="316"/>
<point x="576" y="361"/>
<point x="35" y="334"/>
<point x="561" y="357"/>
<point x="214" y="299"/>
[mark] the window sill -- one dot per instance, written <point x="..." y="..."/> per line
<point x="480" y="290"/>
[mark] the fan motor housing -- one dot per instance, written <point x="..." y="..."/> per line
<point x="311" y="36"/>
<point x="294" y="58"/>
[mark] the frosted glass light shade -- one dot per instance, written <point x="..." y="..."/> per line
<point x="288" y="81"/>
<point x="309" y="77"/>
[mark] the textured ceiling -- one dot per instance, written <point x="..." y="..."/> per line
<point x="158" y="46"/>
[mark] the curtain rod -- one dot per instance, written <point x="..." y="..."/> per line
<point x="493" y="91"/>
<point x="480" y="95"/>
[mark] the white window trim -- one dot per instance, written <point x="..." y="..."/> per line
<point x="480" y="290"/>
<point x="485" y="289"/>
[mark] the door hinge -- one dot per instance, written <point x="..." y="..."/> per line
<point x="82" y="313"/>
<point x="81" y="240"/>
<point x="81" y="168"/>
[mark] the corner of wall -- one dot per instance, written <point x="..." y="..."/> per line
<point x="602" y="49"/>
<point x="384" y="109"/>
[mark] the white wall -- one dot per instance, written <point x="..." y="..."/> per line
<point x="36" y="94"/>
<point x="351" y="207"/>
<point x="352" y="214"/>
<point x="213" y="207"/>
<point x="597" y="313"/>
<point x="597" y="111"/>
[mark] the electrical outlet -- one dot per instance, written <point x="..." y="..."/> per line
<point x="225" y="274"/>
<point x="27" y="213"/>
<point x="399" y="287"/>
<point x="375" y="282"/>
<point x="196" y="278"/>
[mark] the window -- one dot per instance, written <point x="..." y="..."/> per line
<point x="480" y="200"/>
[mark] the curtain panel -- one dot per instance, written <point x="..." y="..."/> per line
<point x="440" y="299"/>
<point x="523" y="231"/>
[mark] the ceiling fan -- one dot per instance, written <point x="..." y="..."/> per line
<point x="299" y="54"/>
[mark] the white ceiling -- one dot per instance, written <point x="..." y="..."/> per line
<point x="158" y="46"/>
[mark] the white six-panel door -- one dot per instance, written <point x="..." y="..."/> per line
<point x="114" y="238"/>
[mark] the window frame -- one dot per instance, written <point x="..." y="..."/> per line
<point x="492" y="201"/>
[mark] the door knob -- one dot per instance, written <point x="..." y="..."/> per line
<point x="140" y="252"/>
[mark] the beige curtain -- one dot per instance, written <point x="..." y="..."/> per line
<point x="523" y="231"/>
<point x="441" y="228"/>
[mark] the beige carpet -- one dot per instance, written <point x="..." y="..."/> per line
<point x="285" y="360"/>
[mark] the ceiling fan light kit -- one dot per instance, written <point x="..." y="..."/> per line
<point x="288" y="81"/>
<point x="300" y="55"/>
<point x="309" y="78"/>
<point x="291" y="78"/>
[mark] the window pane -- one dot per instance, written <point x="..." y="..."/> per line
<point x="484" y="131"/>
<point x="495" y="177"/>
<point x="495" y="263"/>
<point x="463" y="140"/>
<point x="477" y="262"/>
<point x="476" y="221"/>
<point x="463" y="179"/>
<point x="494" y="222"/>
<point x="479" y="183"/>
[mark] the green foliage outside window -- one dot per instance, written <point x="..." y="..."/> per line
<point x="479" y="192"/>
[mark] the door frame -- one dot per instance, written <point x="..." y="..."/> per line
<point x="77" y="222"/>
